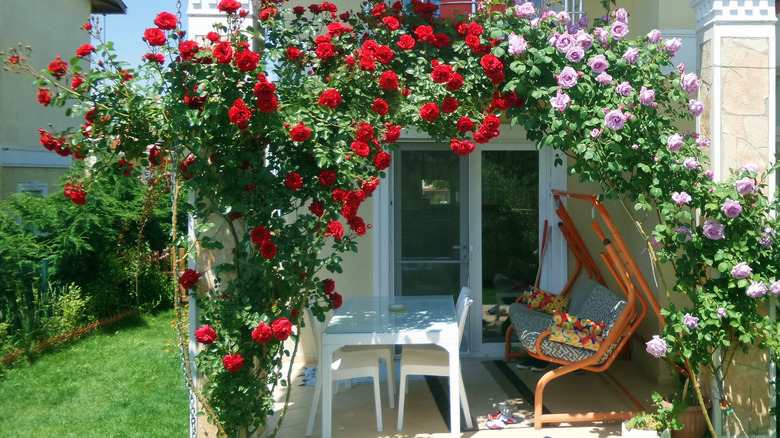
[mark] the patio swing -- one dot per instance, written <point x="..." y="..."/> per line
<point x="598" y="324"/>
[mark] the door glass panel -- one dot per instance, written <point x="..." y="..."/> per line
<point x="510" y="241"/>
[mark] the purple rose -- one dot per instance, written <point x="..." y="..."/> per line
<point x="584" y="39"/>
<point x="757" y="289"/>
<point x="687" y="232"/>
<point x="774" y="287"/>
<point x="595" y="133"/>
<point x="646" y="96"/>
<point x="517" y="44"/>
<point x="564" y="19"/>
<point x="621" y="15"/>
<point x="673" y="45"/>
<point x="604" y="78"/>
<point x="675" y="142"/>
<point x="632" y="55"/>
<point x="615" y="120"/>
<point x="731" y="208"/>
<point x="619" y="30"/>
<point x="703" y="142"/>
<point x="564" y="42"/>
<point x="749" y="167"/>
<point x="691" y="322"/>
<point x="709" y="174"/>
<point x="741" y="270"/>
<point x="713" y="229"/>
<point x="696" y="108"/>
<point x="654" y="36"/>
<point x="525" y="10"/>
<point x="681" y="198"/>
<point x="583" y="21"/>
<point x="745" y="185"/>
<point x="598" y="63"/>
<point x="602" y="36"/>
<point x="689" y="83"/>
<point x="721" y="312"/>
<point x="567" y="78"/>
<point x="766" y="237"/>
<point x="656" y="347"/>
<point x="575" y="54"/>
<point x="624" y="88"/>
<point x="560" y="101"/>
<point x="691" y="163"/>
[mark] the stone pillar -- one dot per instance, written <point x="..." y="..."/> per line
<point x="736" y="41"/>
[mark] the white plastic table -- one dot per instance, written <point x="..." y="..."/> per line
<point x="369" y="321"/>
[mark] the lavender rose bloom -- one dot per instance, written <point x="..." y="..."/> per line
<point x="691" y="322"/>
<point x="615" y="120"/>
<point x="585" y="40"/>
<point x="595" y="133"/>
<point x="675" y="142"/>
<point x="598" y="64"/>
<point x="757" y="289"/>
<point x="619" y="30"/>
<point x="689" y="83"/>
<point x="731" y="208"/>
<point x="713" y="229"/>
<point x="673" y="45"/>
<point x="602" y="36"/>
<point x="517" y="44"/>
<point x="696" y="108"/>
<point x="741" y="270"/>
<point x="567" y="78"/>
<point x="687" y="232"/>
<point x="632" y="55"/>
<point x="681" y="198"/>
<point x="621" y="15"/>
<point x="703" y="142"/>
<point x="525" y="10"/>
<point x="654" y="36"/>
<point x="749" y="167"/>
<point x="766" y="237"/>
<point x="656" y="347"/>
<point x="564" y="43"/>
<point x="646" y="96"/>
<point x="624" y="88"/>
<point x="721" y="312"/>
<point x="560" y="101"/>
<point x="709" y="174"/>
<point x="604" y="78"/>
<point x="774" y="287"/>
<point x="575" y="54"/>
<point x="691" y="163"/>
<point x="745" y="185"/>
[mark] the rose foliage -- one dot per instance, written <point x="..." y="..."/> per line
<point x="281" y="133"/>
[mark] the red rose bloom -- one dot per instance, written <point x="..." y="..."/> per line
<point x="492" y="122"/>
<point x="441" y="73"/>
<point x="339" y="195"/>
<point x="388" y="80"/>
<point x="461" y="148"/>
<point x="479" y="137"/>
<point x="268" y="105"/>
<point x="205" y="335"/>
<point x="188" y="49"/>
<point x="406" y="42"/>
<point x="75" y="193"/>
<point x="259" y="235"/>
<point x="384" y="54"/>
<point x="300" y="133"/>
<point x="268" y="249"/>
<point x="229" y="6"/>
<point x="298" y="10"/>
<point x="455" y="82"/>
<point x="391" y="22"/>
<point x="424" y="34"/>
<point x="44" y="96"/>
<point x="360" y="148"/>
<point x="441" y="40"/>
<point x="189" y="278"/>
<point x="85" y="50"/>
<point x="380" y="106"/>
<point x="337" y="299"/>
<point x="358" y="225"/>
<point x="334" y="229"/>
<point x="58" y="67"/>
<point x="429" y="112"/>
<point x="293" y="53"/>
<point x="282" y="329"/>
<point x="450" y="105"/>
<point x="232" y="362"/>
<point x="382" y="160"/>
<point x="166" y="21"/>
<point x="365" y="132"/>
<point x="465" y="124"/>
<point x="328" y="286"/>
<point x="369" y="187"/>
<point x="154" y="57"/>
<point x="293" y="180"/>
<point x="327" y="177"/>
<point x="325" y="50"/>
<point x="317" y="209"/>
<point x="14" y="59"/>
<point x="223" y="52"/>
<point x="267" y="13"/>
<point x="154" y="36"/>
<point x="392" y="134"/>
<point x="76" y="82"/>
<point x="239" y="112"/>
<point x="263" y="333"/>
<point x="247" y="60"/>
<point x="330" y="98"/>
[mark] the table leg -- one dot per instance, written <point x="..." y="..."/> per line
<point x="454" y="353"/>
<point x="327" y="390"/>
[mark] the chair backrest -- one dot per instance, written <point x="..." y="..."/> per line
<point x="462" y="310"/>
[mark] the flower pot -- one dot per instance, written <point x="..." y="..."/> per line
<point x="694" y="424"/>
<point x="639" y="433"/>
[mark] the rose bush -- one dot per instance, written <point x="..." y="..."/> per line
<point x="281" y="133"/>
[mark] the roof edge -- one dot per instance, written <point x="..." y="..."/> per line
<point x="108" y="7"/>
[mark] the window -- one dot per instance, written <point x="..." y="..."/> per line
<point x="34" y="187"/>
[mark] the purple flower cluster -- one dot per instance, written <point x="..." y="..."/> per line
<point x="517" y="44"/>
<point x="741" y="270"/>
<point x="757" y="289"/>
<point x="657" y="347"/>
<point x="681" y="198"/>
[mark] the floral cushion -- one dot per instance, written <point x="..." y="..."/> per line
<point x="575" y="338"/>
<point x="571" y="322"/>
<point x="544" y="301"/>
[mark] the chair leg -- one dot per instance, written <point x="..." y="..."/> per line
<point x="401" y="399"/>
<point x="377" y="401"/>
<point x="389" y="361"/>
<point x="313" y="411"/>
<point x="464" y="404"/>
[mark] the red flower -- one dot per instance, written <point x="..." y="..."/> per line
<point x="382" y="160"/>
<point x="44" y="96"/>
<point x="455" y="82"/>
<point x="465" y="124"/>
<point x="282" y="329"/>
<point x="461" y="148"/>
<point x="293" y="180"/>
<point x="268" y="249"/>
<point x="154" y="36"/>
<point x="388" y="80"/>
<point x="14" y="59"/>
<point x="441" y="73"/>
<point x="268" y="105"/>
<point x="358" y="225"/>
<point x="327" y="177"/>
<point x="335" y="229"/>
<point x="380" y="106"/>
<point x="293" y="53"/>
<point x="76" y="194"/>
<point x="429" y="112"/>
<point x="188" y="49"/>
<point x="450" y="105"/>
<point x="267" y="13"/>
<point x="330" y="98"/>
<point x="223" y="52"/>
<point x="317" y="209"/>
<point x="441" y="40"/>
<point x="232" y="362"/>
<point x="369" y="187"/>
<point x="339" y="195"/>
<point x="424" y="34"/>
<point x="229" y="6"/>
<point x="360" y="148"/>
<point x="492" y="122"/>
<point x="247" y="60"/>
<point x="58" y="67"/>
<point x="365" y="132"/>
<point x="87" y="26"/>
<point x="127" y="167"/>
<point x="328" y="286"/>
<point x="166" y="21"/>
<point x="337" y="299"/>
<point x="239" y="112"/>
<point x="76" y="81"/>
<point x="325" y="50"/>
<point x="259" y="235"/>
<point x="205" y="335"/>
<point x="298" y="10"/>
<point x="391" y="22"/>
<point x="300" y="133"/>
<point x="406" y="42"/>
<point x="385" y="54"/>
<point x="392" y="134"/>
<point x="263" y="333"/>
<point x="154" y="57"/>
<point x="189" y="278"/>
<point x="85" y="50"/>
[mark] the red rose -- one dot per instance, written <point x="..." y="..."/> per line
<point x="205" y="335"/>
<point x="334" y="229"/>
<point x="264" y="89"/>
<point x="492" y="65"/>
<point x="317" y="209"/>
<point x="14" y="59"/>
<point x="365" y="132"/>
<point x="392" y="134"/>
<point x="76" y="82"/>
<point x="188" y="49"/>
<point x="441" y="40"/>
<point x="475" y="29"/>
<point x="325" y="50"/>
<point x="388" y="80"/>
<point x="330" y="98"/>
<point x="379" y="10"/>
<point x="223" y="52"/>
<point x="358" y="225"/>
<point x="406" y="42"/>
<point x="424" y="34"/>
<point x="282" y="329"/>
<point x="268" y="105"/>
<point x="429" y="112"/>
<point x="455" y="82"/>
<point x="189" y="278"/>
<point x="154" y="57"/>
<point x="155" y="156"/>
<point x="380" y="106"/>
<point x="337" y="299"/>
<point x="87" y="26"/>
<point x="58" y="67"/>
<point x="229" y="6"/>
<point x="85" y="50"/>
<point x="127" y="167"/>
<point x="44" y="96"/>
<point x="75" y="193"/>
<point x="154" y="36"/>
<point x="166" y="21"/>
<point x="441" y="73"/>
<point x="450" y="105"/>
<point x="472" y="41"/>
<point x="263" y="333"/>
<point x="239" y="112"/>
<point x="369" y="187"/>
<point x="232" y="362"/>
<point x="298" y="10"/>
<point x="293" y="180"/>
<point x="327" y="177"/>
<point x="267" y="13"/>
<point x="293" y="53"/>
<point x="492" y="122"/>
<point x="360" y="148"/>
<point x="247" y="60"/>
<point x="385" y="54"/>
<point x="465" y="124"/>
<point x="259" y="235"/>
<point x="479" y="137"/>
<point x="461" y="148"/>
<point x="382" y="160"/>
<point x="328" y="286"/>
<point x="300" y="133"/>
<point x="268" y="249"/>
<point x="391" y="22"/>
<point x="339" y="195"/>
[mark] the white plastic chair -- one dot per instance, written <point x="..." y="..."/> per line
<point x="431" y="360"/>
<point x="352" y="362"/>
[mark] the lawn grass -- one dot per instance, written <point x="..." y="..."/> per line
<point x="116" y="382"/>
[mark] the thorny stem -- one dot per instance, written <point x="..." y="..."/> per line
<point x="697" y="389"/>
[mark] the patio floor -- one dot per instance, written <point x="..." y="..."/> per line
<point x="489" y="383"/>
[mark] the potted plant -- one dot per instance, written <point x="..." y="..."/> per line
<point x="654" y="424"/>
